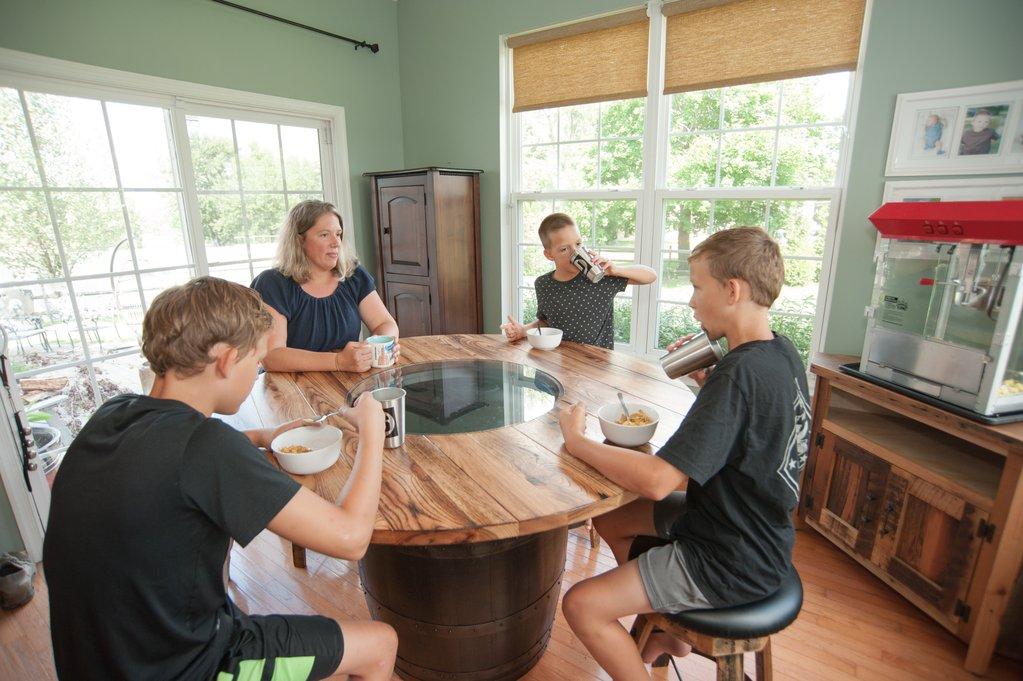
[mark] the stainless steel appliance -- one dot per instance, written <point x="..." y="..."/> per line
<point x="945" y="312"/>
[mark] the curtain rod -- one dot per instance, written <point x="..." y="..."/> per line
<point x="373" y="47"/>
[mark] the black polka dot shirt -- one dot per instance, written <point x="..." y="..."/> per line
<point x="584" y="311"/>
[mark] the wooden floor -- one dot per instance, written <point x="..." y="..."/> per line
<point x="852" y="626"/>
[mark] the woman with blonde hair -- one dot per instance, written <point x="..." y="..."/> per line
<point x="319" y="296"/>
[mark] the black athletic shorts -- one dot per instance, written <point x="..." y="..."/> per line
<point x="282" y="648"/>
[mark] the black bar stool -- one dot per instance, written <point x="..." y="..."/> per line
<point x="726" y="634"/>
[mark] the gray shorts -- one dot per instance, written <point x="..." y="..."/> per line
<point x="667" y="581"/>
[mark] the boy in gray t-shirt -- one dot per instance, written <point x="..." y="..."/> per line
<point x="566" y="299"/>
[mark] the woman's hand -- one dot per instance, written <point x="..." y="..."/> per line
<point x="356" y="356"/>
<point x="700" y="375"/>
<point x="572" y="421"/>
<point x="367" y="415"/>
<point x="513" y="329"/>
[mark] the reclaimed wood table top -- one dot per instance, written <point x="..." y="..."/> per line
<point x="478" y="486"/>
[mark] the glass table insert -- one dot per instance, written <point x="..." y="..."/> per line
<point x="464" y="396"/>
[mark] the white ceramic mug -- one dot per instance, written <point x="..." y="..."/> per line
<point x="383" y="350"/>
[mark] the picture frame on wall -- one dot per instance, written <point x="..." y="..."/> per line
<point x="961" y="131"/>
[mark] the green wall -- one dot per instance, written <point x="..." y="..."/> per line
<point x="201" y="42"/>
<point x="912" y="45"/>
<point x="450" y="89"/>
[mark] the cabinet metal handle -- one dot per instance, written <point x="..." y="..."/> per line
<point x="865" y="519"/>
<point x="871" y="497"/>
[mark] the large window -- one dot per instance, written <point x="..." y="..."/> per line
<point x="767" y="154"/>
<point x="105" y="203"/>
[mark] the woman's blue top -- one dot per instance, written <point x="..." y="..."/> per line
<point x="317" y="324"/>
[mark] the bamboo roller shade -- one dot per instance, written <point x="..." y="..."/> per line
<point x="714" y="43"/>
<point x="594" y="61"/>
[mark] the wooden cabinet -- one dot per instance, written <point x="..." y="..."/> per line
<point x="427" y="225"/>
<point x="929" y="502"/>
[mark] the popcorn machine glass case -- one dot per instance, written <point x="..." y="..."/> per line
<point x="945" y="312"/>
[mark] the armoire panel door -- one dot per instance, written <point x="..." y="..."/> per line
<point x="410" y="304"/>
<point x="403" y="230"/>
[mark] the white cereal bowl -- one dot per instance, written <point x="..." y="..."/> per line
<point x="325" y="441"/>
<point x="627" y="436"/>
<point x="548" y="340"/>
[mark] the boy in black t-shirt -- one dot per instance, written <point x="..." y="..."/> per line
<point x="566" y="299"/>
<point x="153" y="490"/>
<point x="739" y="451"/>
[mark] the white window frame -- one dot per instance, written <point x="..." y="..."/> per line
<point x="36" y="73"/>
<point x="650" y="199"/>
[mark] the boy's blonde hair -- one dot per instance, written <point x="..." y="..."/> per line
<point x="291" y="260"/>
<point x="185" y="322"/>
<point x="553" y="223"/>
<point x="746" y="253"/>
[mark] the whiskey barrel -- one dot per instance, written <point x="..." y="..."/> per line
<point x="480" y="611"/>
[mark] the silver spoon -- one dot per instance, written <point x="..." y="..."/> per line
<point x="625" y="410"/>
<point x="321" y="419"/>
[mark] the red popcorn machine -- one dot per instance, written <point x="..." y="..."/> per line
<point x="943" y="321"/>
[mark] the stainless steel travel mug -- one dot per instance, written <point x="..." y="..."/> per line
<point x="699" y="352"/>
<point x="592" y="271"/>
<point x="393" y="402"/>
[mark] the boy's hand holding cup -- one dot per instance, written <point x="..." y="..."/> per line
<point x="367" y="415"/>
<point x="603" y="263"/>
<point x="700" y="375"/>
<point x="513" y="330"/>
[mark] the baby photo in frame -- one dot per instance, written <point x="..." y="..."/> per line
<point x="983" y="129"/>
<point x="960" y="131"/>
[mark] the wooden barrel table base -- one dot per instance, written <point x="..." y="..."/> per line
<point x="455" y="617"/>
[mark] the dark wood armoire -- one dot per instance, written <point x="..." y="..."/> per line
<point x="427" y="227"/>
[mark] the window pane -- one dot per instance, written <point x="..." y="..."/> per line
<point x="800" y="226"/>
<point x="674" y="280"/>
<point x="623" y="319"/>
<point x="533" y="264"/>
<point x="111" y="313"/>
<point x="799" y="294"/>
<point x="40" y="325"/>
<point x="621" y="163"/>
<point x="582" y="213"/>
<point x="53" y="401"/>
<point x="240" y="273"/>
<point x="808" y="157"/>
<point x="624" y="118"/>
<point x="17" y="160"/>
<point x="751" y="106"/>
<point x="615" y="224"/>
<point x="73" y="141"/>
<point x="91" y="228"/>
<point x="298" y="198"/>
<point x="531" y="214"/>
<point x="692" y="111"/>
<point x="142" y="145"/>
<point x="29" y="247"/>
<point x="673" y="322"/>
<point x="579" y="122"/>
<point x="745" y="213"/>
<point x="682" y="218"/>
<point x="746" y="159"/>
<point x="222" y="227"/>
<point x="539" y="168"/>
<point x="259" y="149"/>
<point x="538" y="126"/>
<point x="692" y="161"/>
<point x="153" y="283"/>
<point x="301" y="158"/>
<point x="212" y="146"/>
<point x="818" y="99"/>
<point x="527" y="305"/>
<point x="577" y="165"/>
<point x="266" y="216"/>
<point x="157" y="228"/>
